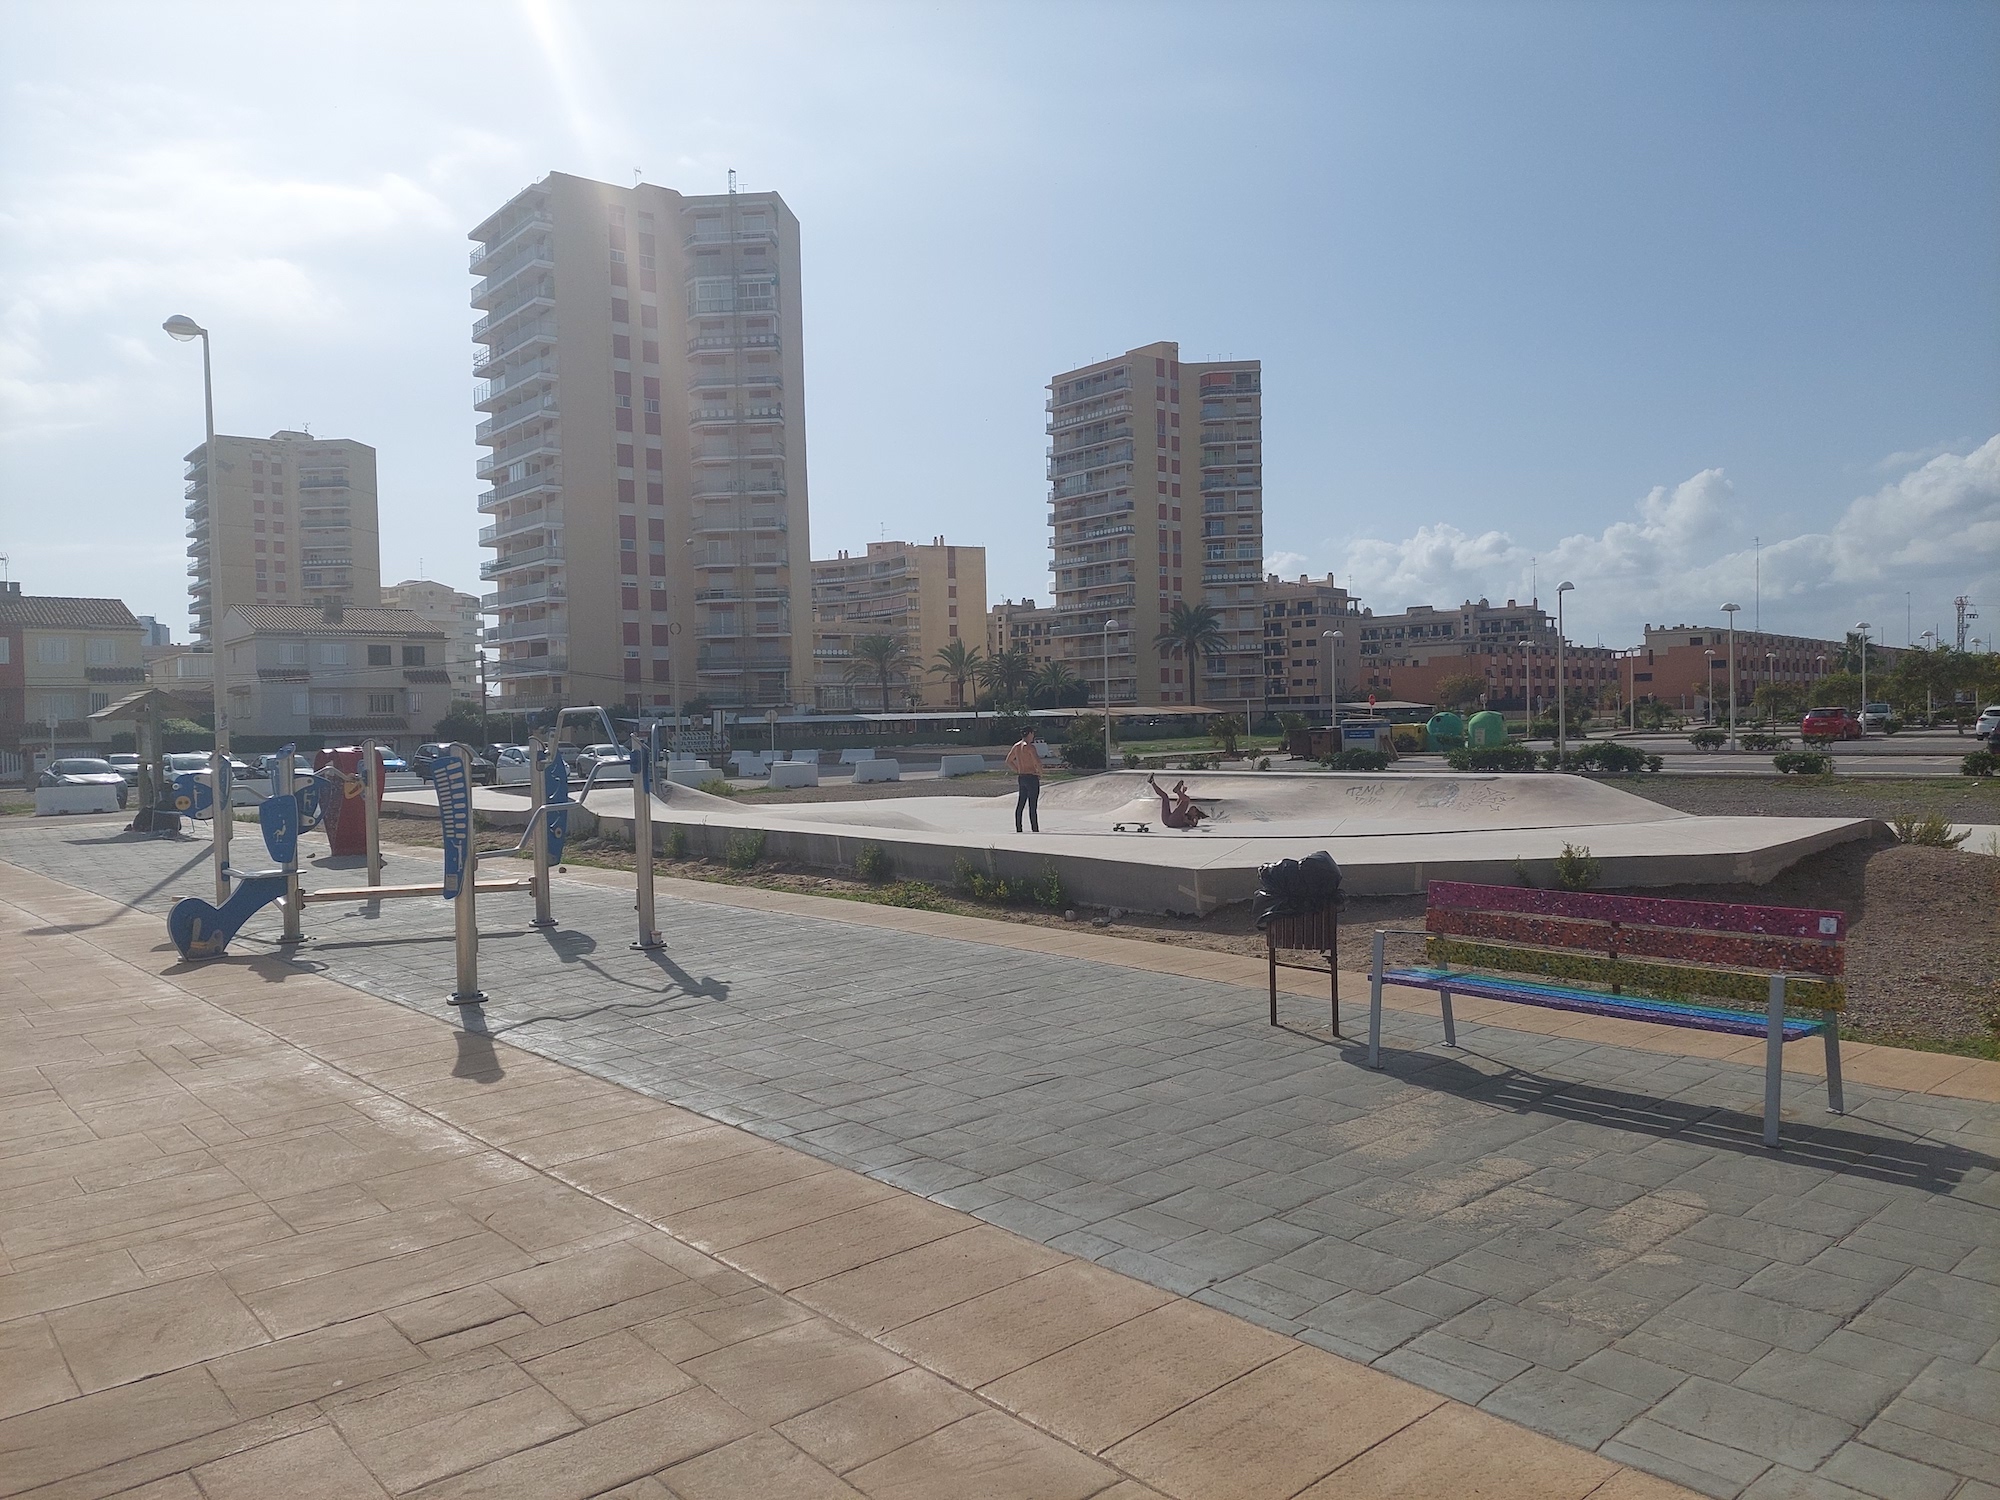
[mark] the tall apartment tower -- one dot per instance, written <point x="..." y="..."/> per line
<point x="1140" y="522"/>
<point x="298" y="524"/>
<point x="641" y="365"/>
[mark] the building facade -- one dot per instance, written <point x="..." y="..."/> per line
<point x="1146" y="512"/>
<point x="62" y="659"/>
<point x="926" y="596"/>
<point x="333" y="673"/>
<point x="457" y="613"/>
<point x="1302" y="668"/>
<point x="643" y="379"/>
<point x="1688" y="665"/>
<point x="1512" y="648"/>
<point x="1026" y="627"/>
<point x="298" y="524"/>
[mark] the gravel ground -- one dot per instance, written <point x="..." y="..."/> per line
<point x="1960" y="799"/>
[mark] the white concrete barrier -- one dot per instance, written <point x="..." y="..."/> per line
<point x="748" y="762"/>
<point x="50" y="800"/>
<point x="792" y="773"/>
<point x="961" y="765"/>
<point x="810" y="757"/>
<point x="855" y="757"/>
<point x="877" y="770"/>
<point x="692" y="773"/>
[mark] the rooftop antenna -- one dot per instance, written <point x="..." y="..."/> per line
<point x="636" y="175"/>
<point x="1757" y="583"/>
<point x="732" y="180"/>
<point x="1534" y="583"/>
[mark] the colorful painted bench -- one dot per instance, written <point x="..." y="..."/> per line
<point x="1696" y="964"/>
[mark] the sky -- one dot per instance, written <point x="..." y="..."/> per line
<point x="1683" y="303"/>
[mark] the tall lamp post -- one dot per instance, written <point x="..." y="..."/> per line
<point x="1863" y="627"/>
<point x="1562" y="673"/>
<point x="1332" y="639"/>
<point x="1771" y="679"/>
<point x="183" y="329"/>
<point x="1108" y="623"/>
<point x="1730" y="610"/>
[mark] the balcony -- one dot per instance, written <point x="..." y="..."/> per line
<point x="1081" y="418"/>
<point x="544" y="444"/>
<point x="482" y="254"/>
<point x="552" y="627"/>
<point x="719" y="526"/>
<point x="754" y="485"/>
<point x="545" y="519"/>
<point x="535" y="372"/>
<point x="1098" y="390"/>
<point x="548" y="479"/>
<point x="732" y="341"/>
<point x="721" y="631"/>
<point x="526" y="557"/>
<point x="542" y="331"/>
<point x="538" y="258"/>
<point x="730" y="235"/>
<point x="527" y="666"/>
<point x="196" y="511"/>
<point x="493" y="427"/>
<point x="536" y="300"/>
<point x="542" y="591"/>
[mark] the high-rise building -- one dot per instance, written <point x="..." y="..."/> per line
<point x="455" y="613"/>
<point x="926" y="596"/>
<point x="1300" y="664"/>
<point x="298" y="524"/>
<point x="1027" y="627"/>
<point x="642" y="368"/>
<point x="1139" y="524"/>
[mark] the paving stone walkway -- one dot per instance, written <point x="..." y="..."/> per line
<point x="1583" y="1237"/>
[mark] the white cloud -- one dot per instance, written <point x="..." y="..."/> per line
<point x="1934" y="533"/>
<point x="1285" y="563"/>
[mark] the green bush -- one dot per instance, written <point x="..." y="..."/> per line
<point x="1980" y="763"/>
<point x="1048" y="889"/>
<point x="744" y="850"/>
<point x="1763" y="743"/>
<point x="1356" y="760"/>
<point x="1542" y="729"/>
<point x="677" y="842"/>
<point x="1607" y="755"/>
<point x="912" y="893"/>
<point x="1491" y="758"/>
<point x="1083" y="745"/>
<point x="1892" y="725"/>
<point x="1933" y="832"/>
<point x="872" y="863"/>
<point x="717" y="786"/>
<point x="1577" y="869"/>
<point x="1654" y="762"/>
<point x="1708" y="739"/>
<point x="1803" y="763"/>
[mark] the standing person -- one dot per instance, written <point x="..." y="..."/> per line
<point x="1026" y="764"/>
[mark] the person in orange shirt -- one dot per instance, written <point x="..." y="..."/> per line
<point x="1026" y="764"/>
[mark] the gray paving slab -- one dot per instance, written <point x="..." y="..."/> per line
<point x="1584" y="1238"/>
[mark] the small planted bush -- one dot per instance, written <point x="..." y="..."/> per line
<point x="1607" y="755"/>
<point x="872" y="863"/>
<point x="1577" y="869"/>
<point x="677" y="842"/>
<point x="1980" y="763"/>
<point x="1048" y="889"/>
<point x="1932" y="832"/>
<point x="716" y="786"/>
<point x="1708" y="739"/>
<point x="1356" y="760"/>
<point x="1491" y="758"/>
<point x="1803" y="763"/>
<point x="1763" y="743"/>
<point x="744" y="849"/>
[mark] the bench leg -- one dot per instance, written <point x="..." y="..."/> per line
<point x="1450" y="1030"/>
<point x="1334" y="972"/>
<point x="1375" y="1003"/>
<point x="1834" y="1102"/>
<point x="1774" y="1059"/>
<point x="1271" y="947"/>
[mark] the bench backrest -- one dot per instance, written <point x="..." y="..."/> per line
<point x="1647" y="944"/>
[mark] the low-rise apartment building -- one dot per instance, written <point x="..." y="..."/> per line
<point x="1301" y="666"/>
<point x="332" y="673"/>
<point x="926" y="595"/>
<point x="1688" y="665"/>
<point x="457" y="614"/>
<point x="1027" y="627"/>
<point x="1511" y="647"/>
<point x="62" y="659"/>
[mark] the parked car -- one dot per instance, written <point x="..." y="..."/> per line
<point x="1830" y="724"/>
<point x="425" y="761"/>
<point x="1989" y="722"/>
<point x="84" y="771"/>
<point x="393" y="763"/>
<point x="609" y="762"/>
<point x="126" y="766"/>
<point x="510" y="764"/>
<point x="1875" y="716"/>
<point x="241" y="775"/>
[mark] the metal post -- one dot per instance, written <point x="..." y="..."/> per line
<point x="1107" y="695"/>
<point x="225" y="815"/>
<point x="371" y="812"/>
<point x="220" y="815"/>
<point x="465" y="914"/>
<point x="1774" y="1058"/>
<point x="1830" y="1020"/>
<point x="642" y="836"/>
<point x="539" y="750"/>
<point x="1375" y="1001"/>
<point x="285" y="784"/>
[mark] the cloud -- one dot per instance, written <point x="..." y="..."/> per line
<point x="1933" y="534"/>
<point x="1285" y="563"/>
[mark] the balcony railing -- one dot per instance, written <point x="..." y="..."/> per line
<point x="507" y="237"/>
<point x="544" y="479"/>
<point x="526" y="557"/>
<point x="536" y="258"/>
<point x="520" y="304"/>
<point x="544" y="591"/>
<point x="542" y="330"/>
<point x="527" y="666"/>
<point x="535" y="370"/>
<point x="1079" y="418"/>
<point x="545" y="519"/>
<point x="732" y="341"/>
<point x="550" y="628"/>
<point x="499" y="458"/>
<point x="728" y="236"/>
<point x="528" y="411"/>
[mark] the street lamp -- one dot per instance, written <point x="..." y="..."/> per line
<point x="1562" y="674"/>
<point x="183" y="328"/>
<point x="1708" y="679"/>
<point x="1862" y="627"/>
<point x="1333" y="666"/>
<point x="1730" y="610"/>
<point x="1108" y="623"/>
<point x="1771" y="678"/>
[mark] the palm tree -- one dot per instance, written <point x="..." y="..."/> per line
<point x="882" y="658"/>
<point x="1193" y="630"/>
<point x="958" y="663"/>
<point x="1005" y="674"/>
<point x="1053" y="682"/>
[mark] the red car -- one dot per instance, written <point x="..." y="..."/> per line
<point x="1830" y="724"/>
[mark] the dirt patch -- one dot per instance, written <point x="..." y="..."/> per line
<point x="1958" y="799"/>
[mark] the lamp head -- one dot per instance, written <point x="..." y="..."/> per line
<point x="1863" y="625"/>
<point x="1564" y="588"/>
<point x="182" y="327"/>
<point x="1730" y="609"/>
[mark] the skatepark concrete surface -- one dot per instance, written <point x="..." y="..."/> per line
<point x="1390" y="832"/>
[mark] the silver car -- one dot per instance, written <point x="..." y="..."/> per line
<point x="80" y="770"/>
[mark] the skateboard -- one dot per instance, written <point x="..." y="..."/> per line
<point x="1131" y="827"/>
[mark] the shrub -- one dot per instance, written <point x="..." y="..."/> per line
<point x="970" y="879"/>
<point x="1542" y="729"/>
<point x="1134" y="762"/>
<point x="1083" y="744"/>
<point x="716" y="786"/>
<point x="1048" y="889"/>
<point x="1356" y="760"/>
<point x="1491" y="758"/>
<point x="1577" y="869"/>
<point x="744" y="850"/>
<point x="1409" y="739"/>
<point x="1763" y="743"/>
<point x="1607" y="755"/>
<point x="1892" y="725"/>
<point x="1200" y="763"/>
<point x="872" y="863"/>
<point x="1654" y="762"/>
<point x="1933" y="832"/>
<point x="1816" y="741"/>
<point x="1980" y="763"/>
<point x="677" y="842"/>
<point x="1264" y="763"/>
<point x="1708" y="739"/>
<point x="914" y="894"/>
<point x="1803" y="763"/>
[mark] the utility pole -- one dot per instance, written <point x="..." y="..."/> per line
<point x="485" y="734"/>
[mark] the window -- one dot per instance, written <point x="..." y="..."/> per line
<point x="302" y="704"/>
<point x="652" y="406"/>
<point x="99" y="700"/>
<point x="381" y="703"/>
<point x="291" y="653"/>
<point x="52" y="650"/>
<point x="332" y="654"/>
<point x="380" y="656"/>
<point x="100" y="652"/>
<point x="328" y="705"/>
<point x="6" y="650"/>
<point x="413" y="656"/>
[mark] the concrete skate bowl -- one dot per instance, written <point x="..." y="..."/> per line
<point x="1391" y="832"/>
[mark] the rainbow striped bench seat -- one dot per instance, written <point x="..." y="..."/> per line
<point x="1695" y="964"/>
